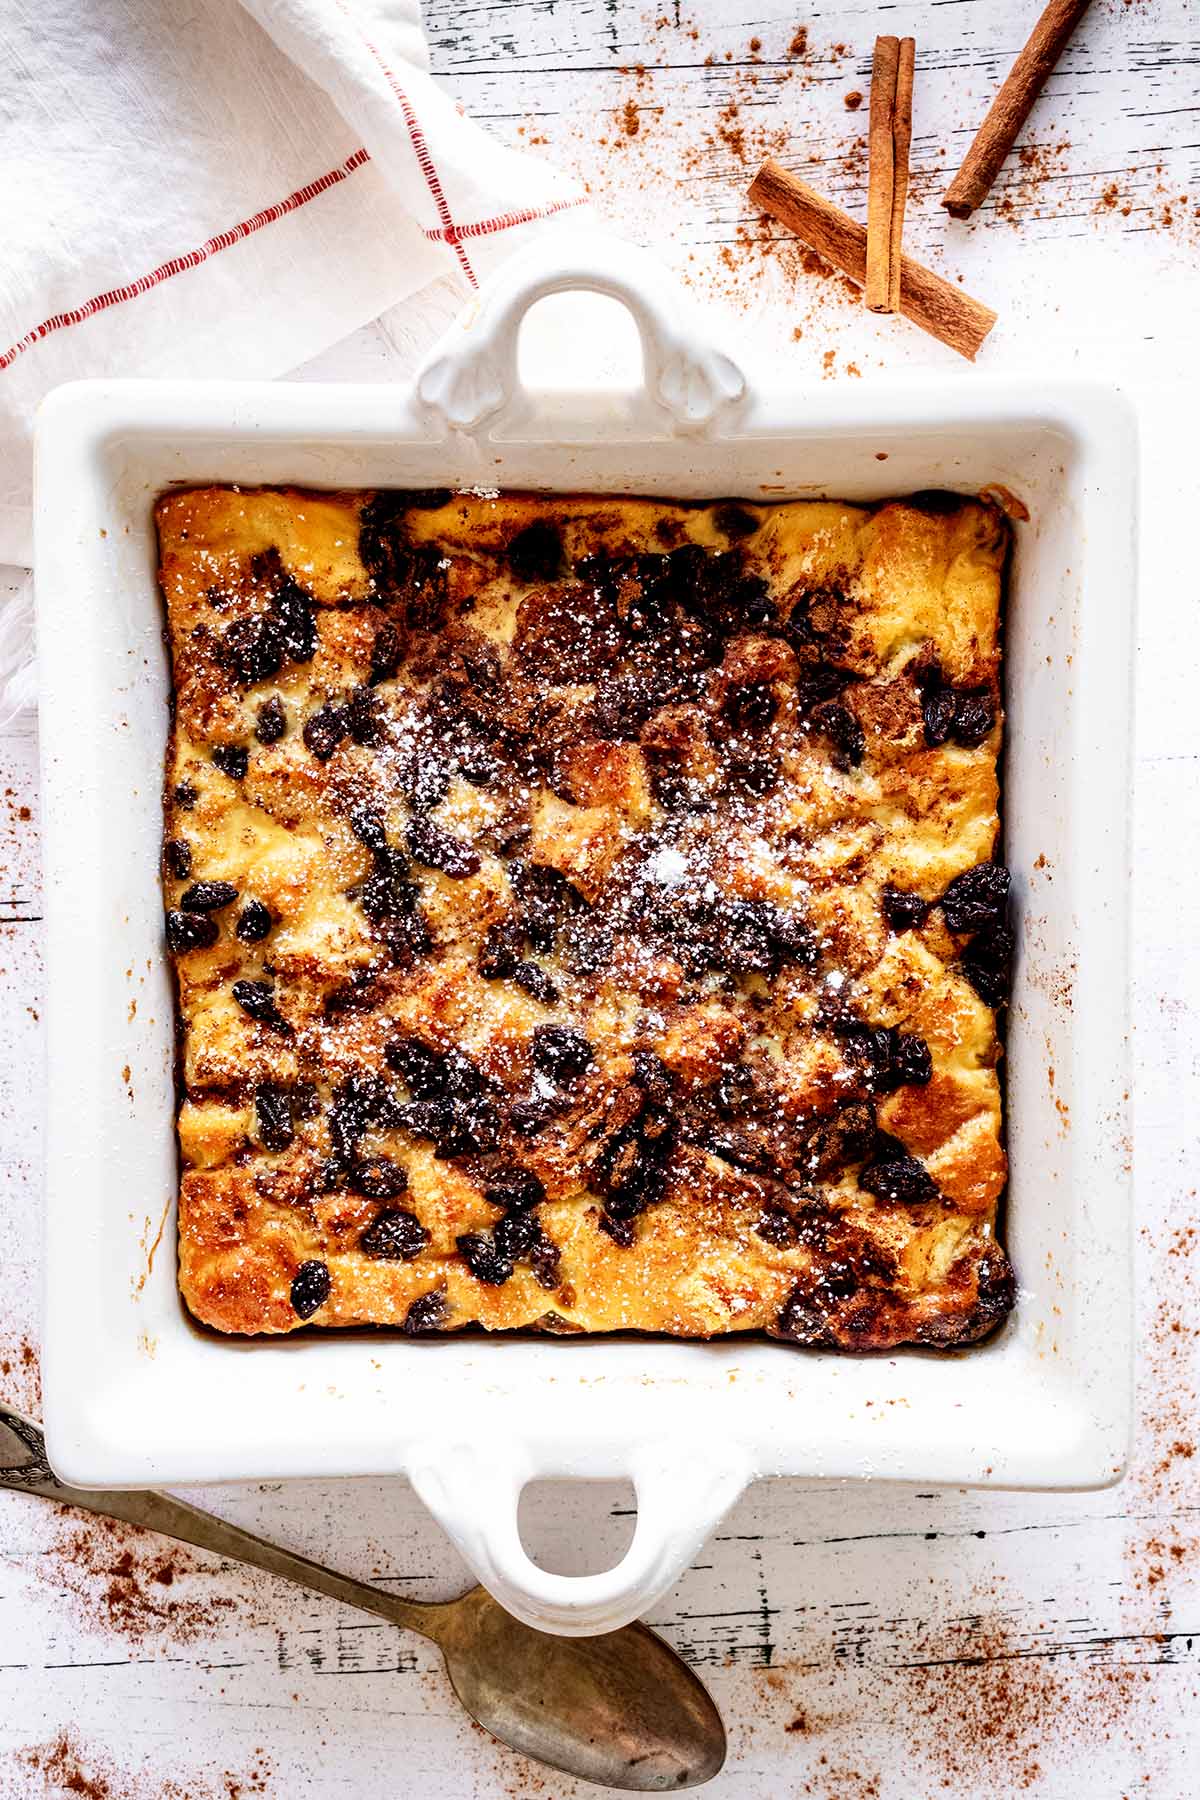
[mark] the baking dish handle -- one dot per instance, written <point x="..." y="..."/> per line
<point x="471" y="376"/>
<point x="682" y="1493"/>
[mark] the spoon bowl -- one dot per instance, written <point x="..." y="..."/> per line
<point x="620" y="1709"/>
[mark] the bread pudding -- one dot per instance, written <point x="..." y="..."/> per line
<point x="586" y="913"/>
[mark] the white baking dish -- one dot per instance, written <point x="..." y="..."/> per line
<point x="137" y="1395"/>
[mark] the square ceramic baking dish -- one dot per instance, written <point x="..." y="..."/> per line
<point x="137" y="1395"/>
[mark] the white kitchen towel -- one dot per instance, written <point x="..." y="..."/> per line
<point x="226" y="189"/>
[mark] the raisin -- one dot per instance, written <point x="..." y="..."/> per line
<point x="938" y="708"/>
<point x="536" y="553"/>
<point x="455" y="1127"/>
<point x="186" y="795"/>
<point x="912" y="1064"/>
<point x="743" y="940"/>
<point x="273" y="1116"/>
<point x="384" y="897"/>
<point x="311" y="1288"/>
<point x="252" y="649"/>
<point x="290" y="617"/>
<point x="734" y="520"/>
<point x="477" y="764"/>
<point x="424" y="781"/>
<point x="325" y="730"/>
<point x="429" y="1313"/>
<point x="621" y="1231"/>
<point x="177" y="855"/>
<point x="232" y="760"/>
<point x="974" y="717"/>
<point x="791" y="939"/>
<point x="776" y="1226"/>
<point x="890" y="1058"/>
<point x="654" y="1078"/>
<point x="544" y="1260"/>
<point x="870" y="1046"/>
<point x="379" y="1178"/>
<point x="902" y="1180"/>
<point x="515" y="1236"/>
<point x="368" y="828"/>
<point x="996" y="1292"/>
<point x="396" y="1235"/>
<point x="802" y="1320"/>
<point x="987" y="964"/>
<point x="534" y="981"/>
<point x="528" y="1117"/>
<point x="190" y="931"/>
<point x="977" y="898"/>
<point x="751" y="704"/>
<point x="297" y="623"/>
<point x="257" y="1001"/>
<point x="271" y="721"/>
<point x="207" y="896"/>
<point x="736" y="1148"/>
<point x="561" y="1052"/>
<point x="838" y="1280"/>
<point x="365" y="717"/>
<point x="513" y="1187"/>
<point x="632" y="1173"/>
<point x="845" y="734"/>
<point x="543" y="896"/>
<point x="387" y="653"/>
<point x="500" y="952"/>
<point x="306" y="1102"/>
<point x="754" y="774"/>
<point x="361" y="1100"/>
<point x="438" y="849"/>
<point x="481" y="1256"/>
<point x="818" y="682"/>
<point x="422" y="1069"/>
<point x="904" y="911"/>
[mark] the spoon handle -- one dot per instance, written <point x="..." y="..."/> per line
<point x="31" y="1473"/>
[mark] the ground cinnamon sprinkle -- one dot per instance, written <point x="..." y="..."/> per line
<point x="134" y="1584"/>
<point x="66" y="1766"/>
<point x="21" y="1372"/>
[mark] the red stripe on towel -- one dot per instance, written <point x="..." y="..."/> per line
<point x="191" y="260"/>
<point x="504" y="221"/>
<point x="449" y="233"/>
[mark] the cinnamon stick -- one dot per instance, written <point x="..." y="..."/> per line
<point x="1012" y="106"/>
<point x="937" y="306"/>
<point x="881" y="172"/>
<point x="890" y="134"/>
<point x="901" y="144"/>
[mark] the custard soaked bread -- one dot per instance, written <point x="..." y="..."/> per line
<point x="585" y="915"/>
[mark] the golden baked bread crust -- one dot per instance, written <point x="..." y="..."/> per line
<point x="583" y="913"/>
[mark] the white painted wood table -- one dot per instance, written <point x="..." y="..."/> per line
<point x="861" y="1641"/>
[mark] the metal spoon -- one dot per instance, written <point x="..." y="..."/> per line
<point x="620" y="1709"/>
